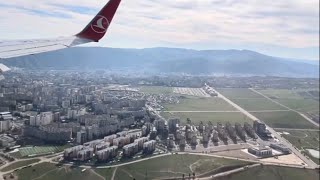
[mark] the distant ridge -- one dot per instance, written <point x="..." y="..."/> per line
<point x="168" y="60"/>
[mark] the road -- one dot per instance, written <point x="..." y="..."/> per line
<point x="224" y="111"/>
<point x="304" y="116"/>
<point x="309" y="162"/>
<point x="132" y="162"/>
<point x="44" y="159"/>
<point x="229" y="172"/>
<point x="296" y="129"/>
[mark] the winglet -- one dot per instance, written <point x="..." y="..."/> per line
<point x="98" y="26"/>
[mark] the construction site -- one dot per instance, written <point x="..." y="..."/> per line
<point x="210" y="138"/>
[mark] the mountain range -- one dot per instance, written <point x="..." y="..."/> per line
<point x="168" y="60"/>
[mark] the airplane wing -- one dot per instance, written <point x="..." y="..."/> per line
<point x="93" y="32"/>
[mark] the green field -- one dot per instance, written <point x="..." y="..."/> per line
<point x="48" y="171"/>
<point x="241" y="93"/>
<point x="215" y="117"/>
<point x="302" y="105"/>
<point x="19" y="164"/>
<point x="38" y="150"/>
<point x="70" y="174"/>
<point x="261" y="104"/>
<point x="106" y="173"/>
<point x="284" y="120"/>
<point x="304" y="140"/>
<point x="273" y="173"/>
<point x="156" y="89"/>
<point x="280" y="93"/>
<point x="292" y="99"/>
<point x="161" y="167"/>
<point x="252" y="101"/>
<point x="173" y="166"/>
<point x="200" y="104"/>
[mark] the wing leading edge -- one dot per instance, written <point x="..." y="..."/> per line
<point x="93" y="32"/>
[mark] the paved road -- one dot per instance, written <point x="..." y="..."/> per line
<point x="304" y="116"/>
<point x="201" y="111"/>
<point x="131" y="162"/>
<point x="44" y="159"/>
<point x="309" y="162"/>
<point x="296" y="129"/>
<point x="225" y="111"/>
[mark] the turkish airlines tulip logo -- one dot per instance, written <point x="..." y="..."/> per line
<point x="100" y="24"/>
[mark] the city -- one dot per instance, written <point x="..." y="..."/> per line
<point x="76" y="119"/>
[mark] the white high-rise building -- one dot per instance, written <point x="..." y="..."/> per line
<point x="46" y="118"/>
<point x="4" y="126"/>
<point x="33" y="121"/>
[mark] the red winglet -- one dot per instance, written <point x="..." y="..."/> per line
<point x="98" y="27"/>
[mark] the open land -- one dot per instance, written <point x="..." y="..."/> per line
<point x="274" y="114"/>
<point x="49" y="171"/>
<point x="274" y="173"/>
<point x="191" y="92"/>
<point x="200" y="104"/>
<point x="18" y="164"/>
<point x="301" y="100"/>
<point x="174" y="166"/>
<point x="215" y="117"/>
<point x="284" y="120"/>
<point x="156" y="89"/>
<point x="304" y="140"/>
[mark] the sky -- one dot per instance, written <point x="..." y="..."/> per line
<point x="283" y="28"/>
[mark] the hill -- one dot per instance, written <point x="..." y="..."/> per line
<point x="168" y="60"/>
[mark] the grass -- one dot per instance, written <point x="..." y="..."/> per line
<point x="48" y="171"/>
<point x="234" y="93"/>
<point x="19" y="164"/>
<point x="106" y="173"/>
<point x="274" y="173"/>
<point x="200" y="104"/>
<point x="304" y="140"/>
<point x="261" y="104"/>
<point x="215" y="117"/>
<point x="292" y="99"/>
<point x="156" y="89"/>
<point x="280" y="93"/>
<point x="39" y="170"/>
<point x="70" y="174"/>
<point x="303" y="105"/>
<point x="173" y="166"/>
<point x="284" y="120"/>
<point x="39" y="150"/>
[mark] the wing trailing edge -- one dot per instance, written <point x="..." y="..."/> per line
<point x="93" y="32"/>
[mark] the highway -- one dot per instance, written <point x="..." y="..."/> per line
<point x="309" y="162"/>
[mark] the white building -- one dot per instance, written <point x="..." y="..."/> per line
<point x="107" y="154"/>
<point x="46" y="118"/>
<point x="149" y="147"/>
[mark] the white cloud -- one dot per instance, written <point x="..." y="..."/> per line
<point x="286" y="23"/>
